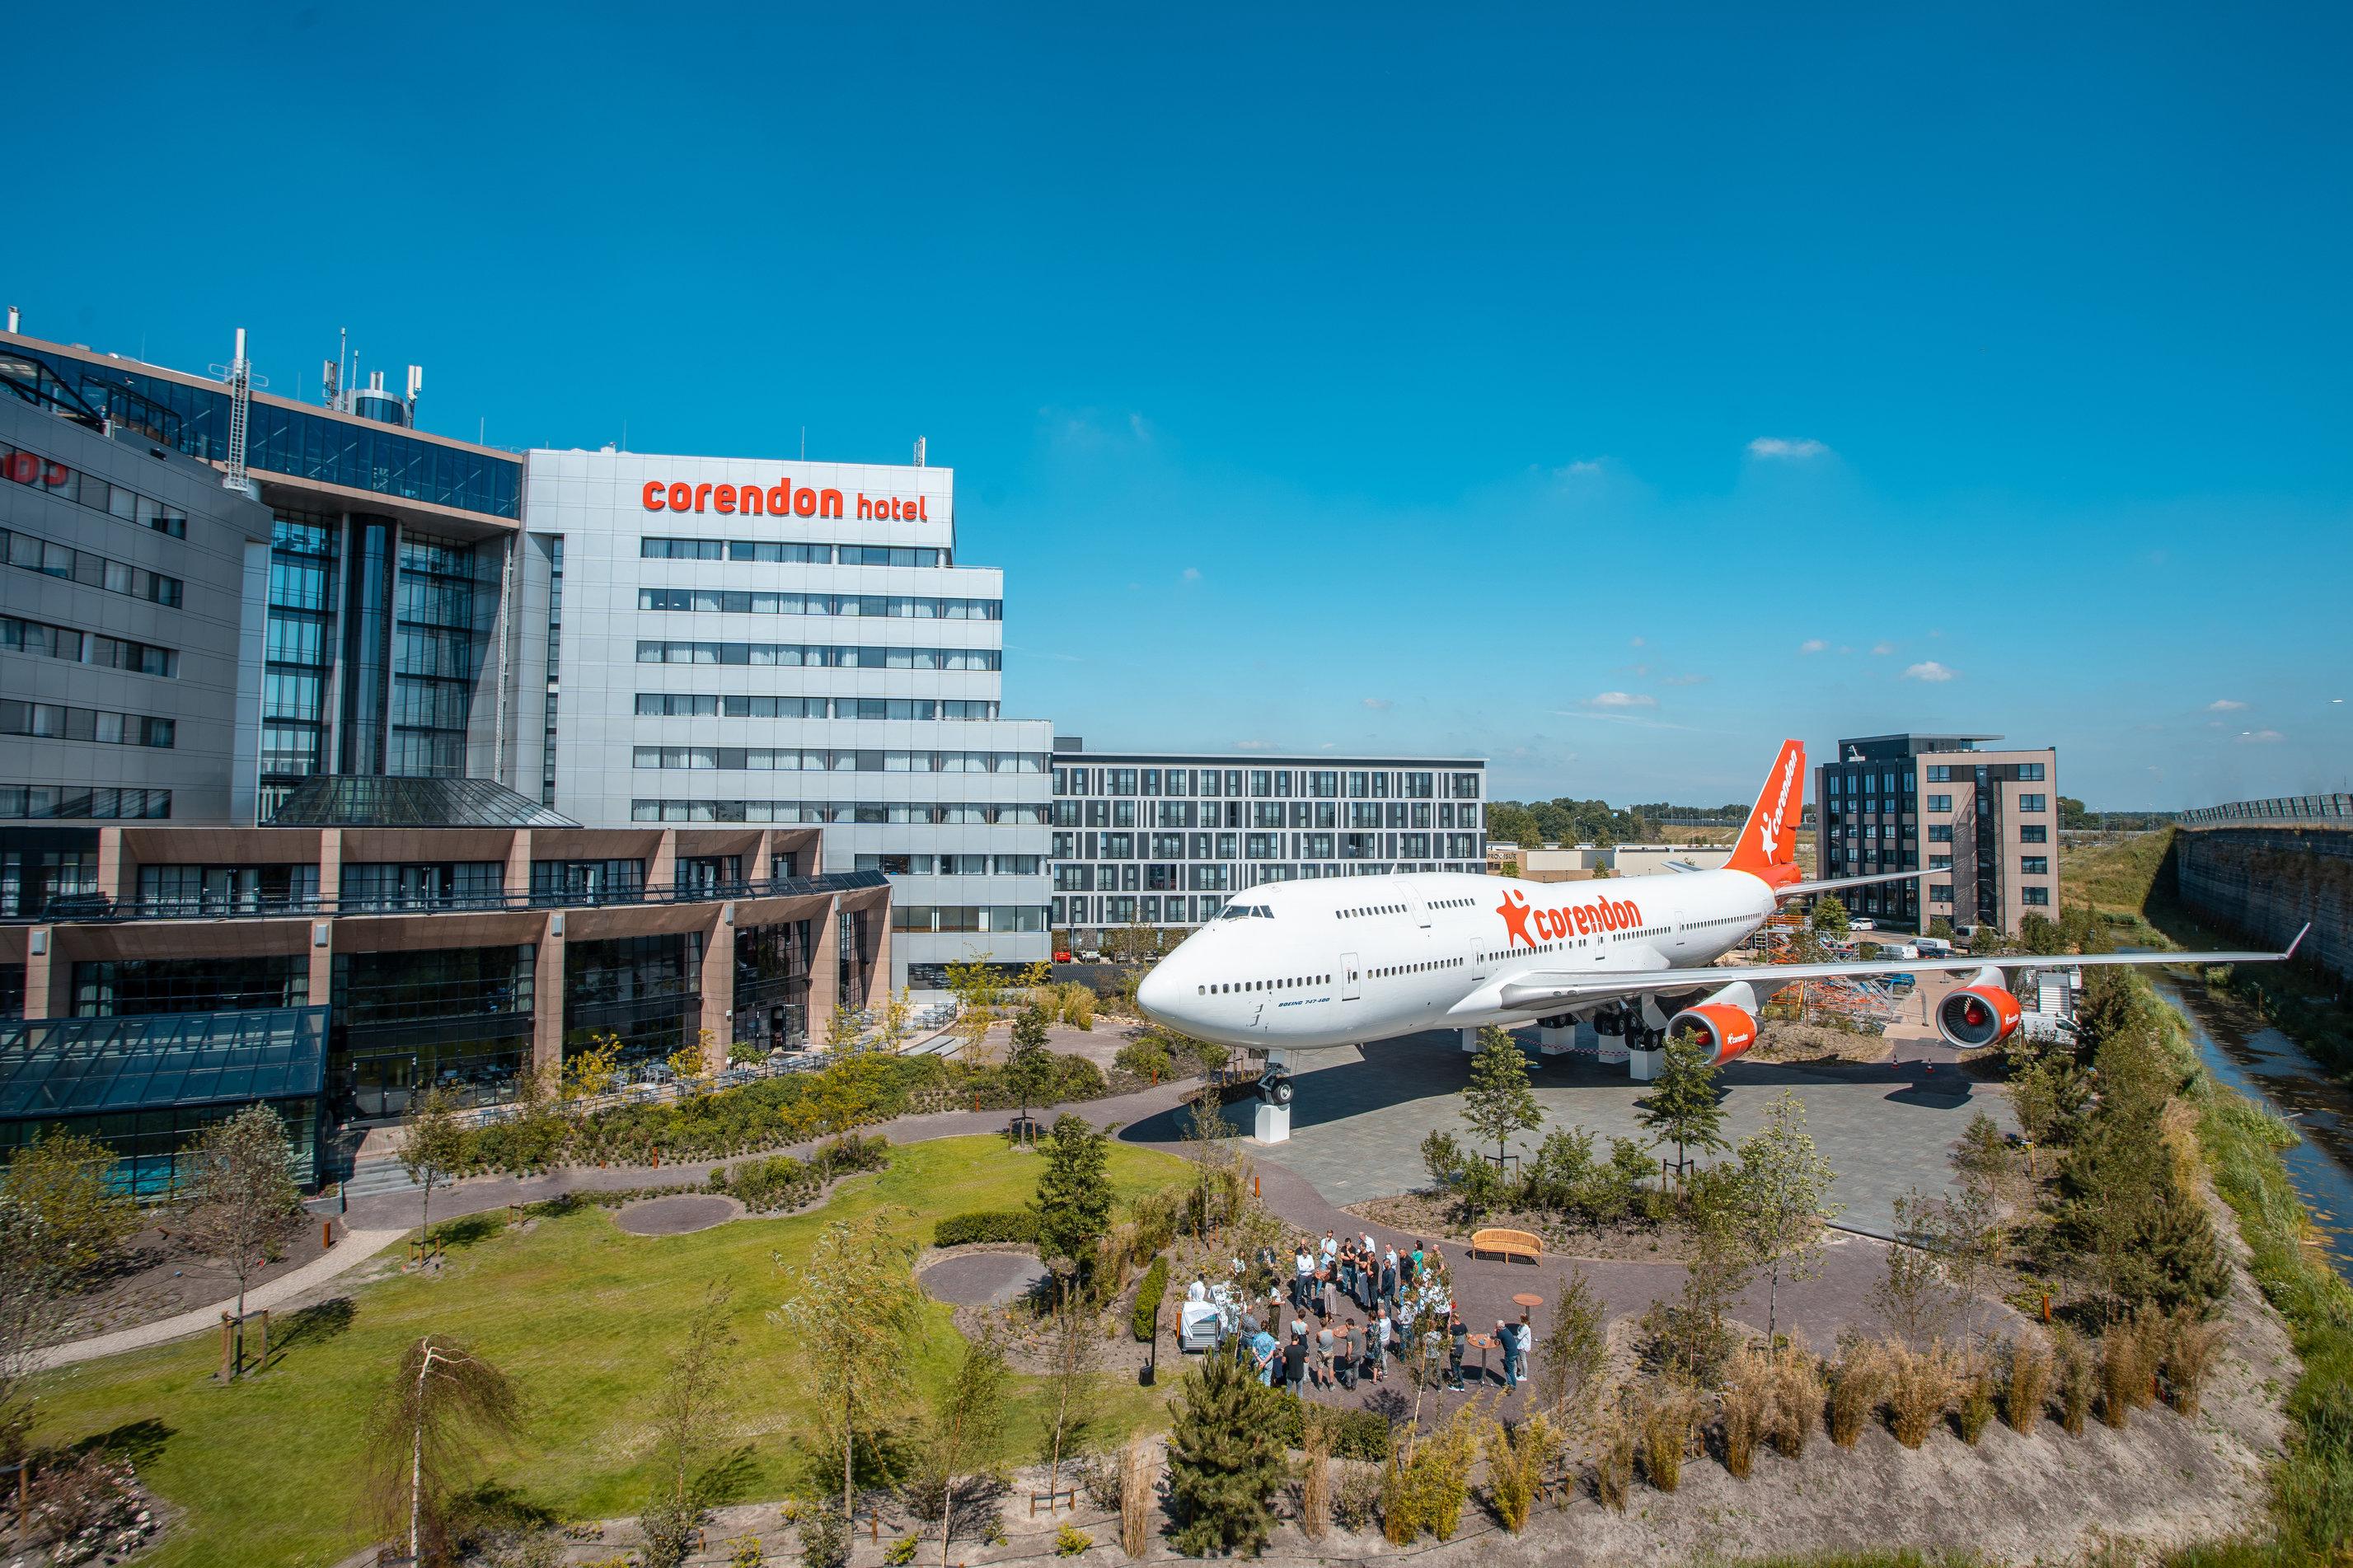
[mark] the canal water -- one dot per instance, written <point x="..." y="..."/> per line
<point x="2270" y="1069"/>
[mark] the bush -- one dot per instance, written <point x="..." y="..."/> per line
<point x="781" y="1181"/>
<point x="2122" y="1376"/>
<point x="1517" y="1458"/>
<point x="1613" y="1459"/>
<point x="1747" y="1405"/>
<point x="1357" y="1434"/>
<point x="1070" y="1540"/>
<point x="2029" y="1368"/>
<point x="2078" y="1376"/>
<point x="1016" y="1226"/>
<point x="1149" y="1293"/>
<point x="1797" y="1398"/>
<point x="1856" y="1380"/>
<point x="1973" y="1410"/>
<point x="1667" y="1419"/>
<point x="2190" y="1348"/>
<point x="1919" y="1387"/>
<point x="1426" y="1497"/>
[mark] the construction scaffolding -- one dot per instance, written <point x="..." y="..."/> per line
<point x="1866" y="1004"/>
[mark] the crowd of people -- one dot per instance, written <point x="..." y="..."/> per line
<point x="1354" y="1308"/>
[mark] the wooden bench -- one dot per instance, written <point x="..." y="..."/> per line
<point x="1508" y="1244"/>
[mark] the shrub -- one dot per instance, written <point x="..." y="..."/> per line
<point x="2078" y="1376"/>
<point x="1070" y="1540"/>
<point x="1973" y="1411"/>
<point x="1018" y="1225"/>
<point x="2028" y="1365"/>
<point x="1747" y="1405"/>
<point x="824" y="1537"/>
<point x="2121" y="1375"/>
<point x="1356" y="1434"/>
<point x="1426" y="1495"/>
<point x="1517" y="1458"/>
<point x="2190" y="1348"/>
<point x="1919" y="1387"/>
<point x="1797" y="1398"/>
<point x="901" y="1552"/>
<point x="1149" y="1293"/>
<point x="1225" y="1461"/>
<point x="781" y="1181"/>
<point x="745" y="1552"/>
<point x="1856" y="1380"/>
<point x="1614" y="1459"/>
<point x="1356" y="1500"/>
<point x="1667" y="1417"/>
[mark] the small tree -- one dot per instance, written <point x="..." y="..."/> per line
<point x="1682" y="1105"/>
<point x="1719" y="1259"/>
<point x="63" y="1182"/>
<point x="967" y="1420"/>
<point x="897" y="1023"/>
<point x="31" y="1283"/>
<point x="1829" y="917"/>
<point x="1029" y="1068"/>
<point x="440" y="1403"/>
<point x="1208" y="1136"/>
<point x="1568" y="1370"/>
<point x="1784" y="1198"/>
<point x="1072" y="1346"/>
<point x="592" y="1070"/>
<point x="240" y="1200"/>
<point x="1225" y="1461"/>
<point x="690" y="1415"/>
<point x="1498" y="1101"/>
<point x="852" y="1319"/>
<point x="1913" y="1296"/>
<point x="432" y="1148"/>
<point x="1074" y="1194"/>
<point x="843" y="1031"/>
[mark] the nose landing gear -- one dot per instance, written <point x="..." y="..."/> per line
<point x="1273" y="1122"/>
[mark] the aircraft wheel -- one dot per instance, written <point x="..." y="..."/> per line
<point x="1275" y="1087"/>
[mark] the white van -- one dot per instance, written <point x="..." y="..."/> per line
<point x="1934" y="947"/>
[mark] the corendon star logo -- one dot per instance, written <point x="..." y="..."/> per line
<point x="1529" y="927"/>
<point x="1769" y="832"/>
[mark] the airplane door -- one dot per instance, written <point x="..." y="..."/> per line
<point x="1349" y="974"/>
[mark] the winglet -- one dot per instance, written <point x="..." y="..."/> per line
<point x="2298" y="942"/>
<point x="1766" y="849"/>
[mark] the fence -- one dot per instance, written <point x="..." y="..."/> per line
<point x="2321" y="808"/>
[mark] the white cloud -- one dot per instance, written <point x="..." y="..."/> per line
<point x="1379" y="704"/>
<point x="1682" y="679"/>
<point x="1927" y="669"/>
<point x="1625" y="699"/>
<point x="1190" y="575"/>
<point x="1812" y="645"/>
<point x="1579" y="469"/>
<point x="1253" y="745"/>
<point x="1844" y="650"/>
<point x="1635" y="642"/>
<point x="2260" y="737"/>
<point x="1780" y="446"/>
<point x="1882" y="649"/>
<point x="2224" y="705"/>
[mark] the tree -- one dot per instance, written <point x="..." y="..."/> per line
<point x="240" y="1200"/>
<point x="1216" y="1187"/>
<point x="1681" y="1105"/>
<point x="63" y="1183"/>
<point x="2071" y="813"/>
<point x="1718" y="1262"/>
<point x="31" y="1282"/>
<point x="592" y="1070"/>
<point x="843" y="1030"/>
<point x="976" y="983"/>
<point x="1073" y="1198"/>
<point x="1784" y="1194"/>
<point x="1029" y="1068"/>
<point x="2038" y="933"/>
<point x="967" y="1420"/>
<point x="1914" y="1297"/>
<point x="432" y="1148"/>
<point x="690" y="1415"/>
<point x="1941" y="927"/>
<point x="1829" y="917"/>
<point x="1569" y="1361"/>
<point x="1072" y="1346"/>
<point x="441" y="1402"/>
<point x="1225" y="1461"/>
<point x="897" y="1023"/>
<point x="852" y="1319"/>
<point x="1498" y="1101"/>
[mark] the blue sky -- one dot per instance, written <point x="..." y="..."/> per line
<point x="1606" y="394"/>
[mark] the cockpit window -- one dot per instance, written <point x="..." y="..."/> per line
<point x="1247" y="912"/>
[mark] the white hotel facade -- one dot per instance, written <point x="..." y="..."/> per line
<point x="787" y="642"/>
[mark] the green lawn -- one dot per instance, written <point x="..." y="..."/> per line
<point x="577" y="1310"/>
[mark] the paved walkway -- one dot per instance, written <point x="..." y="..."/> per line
<point x="355" y="1248"/>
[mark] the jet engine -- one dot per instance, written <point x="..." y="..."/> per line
<point x="1725" y="1024"/>
<point x="1982" y="1012"/>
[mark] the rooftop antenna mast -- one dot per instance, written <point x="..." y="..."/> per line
<point x="343" y="377"/>
<point x="238" y="374"/>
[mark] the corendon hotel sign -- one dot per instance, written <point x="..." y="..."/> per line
<point x="779" y="499"/>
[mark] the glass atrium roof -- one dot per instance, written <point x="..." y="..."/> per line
<point x="88" y="1067"/>
<point x="353" y="799"/>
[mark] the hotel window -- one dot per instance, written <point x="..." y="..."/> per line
<point x="2034" y="832"/>
<point x="2031" y="773"/>
<point x="1940" y="802"/>
<point x="1940" y="772"/>
<point x="1940" y="833"/>
<point x="2033" y="802"/>
<point x="2034" y="897"/>
<point x="2034" y="865"/>
<point x="1940" y="892"/>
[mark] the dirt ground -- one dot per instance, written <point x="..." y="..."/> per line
<point x="162" y="1280"/>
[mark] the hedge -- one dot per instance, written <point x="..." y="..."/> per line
<point x="781" y="1181"/>
<point x="1362" y="1434"/>
<point x="986" y="1224"/>
<point x="1148" y="1297"/>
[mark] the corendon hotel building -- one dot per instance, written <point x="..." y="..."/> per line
<point x="415" y="759"/>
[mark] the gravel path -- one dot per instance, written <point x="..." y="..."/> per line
<point x="680" y="1215"/>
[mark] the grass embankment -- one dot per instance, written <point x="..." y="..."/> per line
<point x="2129" y="883"/>
<point x="580" y="1313"/>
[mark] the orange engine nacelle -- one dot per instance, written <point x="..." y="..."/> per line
<point x="1724" y="1029"/>
<point x="1985" y="1014"/>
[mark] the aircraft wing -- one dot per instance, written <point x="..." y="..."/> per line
<point x="1794" y="890"/>
<point x="1539" y="990"/>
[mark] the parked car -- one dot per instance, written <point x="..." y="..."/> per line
<point x="1902" y="982"/>
<point x="1934" y="947"/>
<point x="1862" y="925"/>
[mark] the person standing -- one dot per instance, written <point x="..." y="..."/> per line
<point x="1346" y="1357"/>
<point x="1265" y="1355"/>
<point x="1294" y="1359"/>
<point x="1383" y="1334"/>
<point x="1327" y="1347"/>
<point x="1390" y="1276"/>
<point x="1413" y="1274"/>
<point x="1458" y="1338"/>
<point x="1303" y="1272"/>
<point x="1508" y="1338"/>
<point x="1526" y="1333"/>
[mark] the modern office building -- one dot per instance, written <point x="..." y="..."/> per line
<point x="780" y="643"/>
<point x="1159" y="838"/>
<point x="630" y="640"/>
<point x="1985" y="818"/>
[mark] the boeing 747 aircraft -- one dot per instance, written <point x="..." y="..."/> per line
<point x="1305" y="966"/>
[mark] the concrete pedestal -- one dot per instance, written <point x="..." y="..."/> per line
<point x="1642" y="1066"/>
<point x="1556" y="1042"/>
<point x="1470" y="1041"/>
<point x="1610" y="1050"/>
<point x="1273" y="1125"/>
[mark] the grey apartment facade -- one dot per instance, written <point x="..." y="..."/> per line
<point x="1163" y="839"/>
<point x="1980" y="818"/>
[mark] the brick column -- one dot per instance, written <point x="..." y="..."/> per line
<point x="518" y="879"/>
<point x="109" y="865"/>
<point x="547" y="991"/>
<point x="661" y="872"/>
<point x="719" y="987"/>
<point x="824" y="973"/>
<point x="878" y="984"/>
<point x="331" y="868"/>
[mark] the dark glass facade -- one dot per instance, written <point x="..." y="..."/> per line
<point x="300" y="651"/>
<point x="772" y="982"/>
<point x="113" y="988"/>
<point x="644" y="990"/>
<point x="432" y="658"/>
<point x="460" y="1018"/>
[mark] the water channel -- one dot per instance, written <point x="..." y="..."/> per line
<point x="2270" y="1069"/>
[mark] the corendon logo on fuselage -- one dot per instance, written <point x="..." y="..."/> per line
<point x="1528" y="925"/>
<point x="782" y="499"/>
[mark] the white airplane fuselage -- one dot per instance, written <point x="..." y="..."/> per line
<point x="1345" y="961"/>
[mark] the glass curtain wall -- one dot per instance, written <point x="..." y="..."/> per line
<point x="300" y="652"/>
<point x="432" y="658"/>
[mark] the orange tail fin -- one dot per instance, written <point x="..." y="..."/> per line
<point x="1765" y="846"/>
